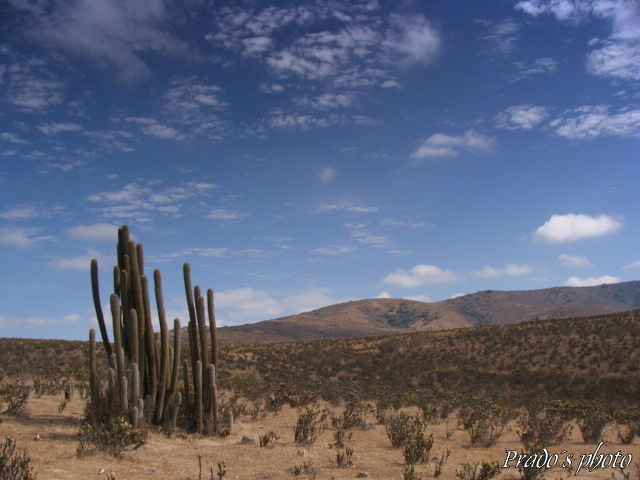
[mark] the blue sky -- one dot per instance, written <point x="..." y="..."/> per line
<point x="300" y="154"/>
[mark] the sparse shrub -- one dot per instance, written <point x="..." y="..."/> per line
<point x="308" y="426"/>
<point x="401" y="427"/>
<point x="269" y="439"/>
<point x="14" y="396"/>
<point x="343" y="457"/>
<point x="340" y="437"/>
<point x="440" y="463"/>
<point x="417" y="448"/>
<point x="484" y="420"/>
<point x="13" y="465"/>
<point x="488" y="470"/>
<point x="592" y="418"/>
<point x="409" y="472"/>
<point x="354" y="414"/>
<point x="541" y="426"/>
<point x="114" y="436"/>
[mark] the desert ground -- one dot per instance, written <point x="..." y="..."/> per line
<point x="54" y="457"/>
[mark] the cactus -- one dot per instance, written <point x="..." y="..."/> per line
<point x="144" y="372"/>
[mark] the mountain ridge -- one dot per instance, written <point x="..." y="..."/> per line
<point x="385" y="316"/>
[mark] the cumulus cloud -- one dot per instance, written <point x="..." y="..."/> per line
<point x="574" y="260"/>
<point x="591" y="281"/>
<point x="440" y="145"/>
<point x="420" y="275"/>
<point x="521" y="117"/>
<point x="572" y="227"/>
<point x="509" y="270"/>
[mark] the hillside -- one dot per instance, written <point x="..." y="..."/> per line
<point x="381" y="316"/>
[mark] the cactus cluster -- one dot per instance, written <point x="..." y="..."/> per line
<point x="144" y="369"/>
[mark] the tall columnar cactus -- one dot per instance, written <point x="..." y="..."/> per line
<point x="144" y="369"/>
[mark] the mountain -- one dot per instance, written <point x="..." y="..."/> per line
<point x="384" y="316"/>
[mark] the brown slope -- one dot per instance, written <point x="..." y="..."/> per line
<point x="380" y="316"/>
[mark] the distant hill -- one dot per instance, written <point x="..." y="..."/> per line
<point x="383" y="316"/>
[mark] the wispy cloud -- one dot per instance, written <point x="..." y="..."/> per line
<point x="96" y="232"/>
<point x="508" y="270"/>
<point x="333" y="250"/>
<point x="537" y="67"/>
<point x="345" y="207"/>
<point x="522" y="117"/>
<point x="79" y="262"/>
<point x="591" y="121"/>
<point x="114" y="35"/>
<point x="591" y="281"/>
<point x="226" y="214"/>
<point x="22" y="212"/>
<point x="326" y="174"/>
<point x="21" y="237"/>
<point x="420" y="275"/>
<point x="441" y="145"/>
<point x="572" y="227"/>
<point x="52" y="129"/>
<point x="617" y="55"/>
<point x="141" y="200"/>
<point x="574" y="261"/>
<point x="501" y="37"/>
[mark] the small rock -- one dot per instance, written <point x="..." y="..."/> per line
<point x="101" y="471"/>
<point x="302" y="453"/>
<point x="248" y="440"/>
<point x="362" y="475"/>
<point x="37" y="437"/>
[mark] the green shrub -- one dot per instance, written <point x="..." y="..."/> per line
<point x="114" y="436"/>
<point x="14" y="396"/>
<point x="400" y="428"/>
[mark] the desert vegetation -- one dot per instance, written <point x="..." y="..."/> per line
<point x="448" y="404"/>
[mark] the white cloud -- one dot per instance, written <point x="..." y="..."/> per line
<point x="592" y="121"/>
<point x="635" y="264"/>
<point x="265" y="304"/>
<point x="591" y="281"/>
<point x="501" y="37"/>
<point x="80" y="262"/>
<point x="419" y="298"/>
<point x="226" y="214"/>
<point x="334" y="250"/>
<point x="13" y="138"/>
<point x="420" y="275"/>
<point x="97" y="232"/>
<point x="617" y="56"/>
<point x="327" y="174"/>
<point x="414" y="38"/>
<point x="508" y="271"/>
<point x="441" y="145"/>
<point x="111" y="33"/>
<point x="537" y="67"/>
<point x="155" y="129"/>
<point x="20" y="213"/>
<point x="344" y="207"/>
<point x="572" y="227"/>
<point x="521" y="117"/>
<point x="55" y="128"/>
<point x="574" y="261"/>
<point x="383" y="294"/>
<point x="20" y="237"/>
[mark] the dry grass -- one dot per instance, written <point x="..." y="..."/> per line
<point x="54" y="456"/>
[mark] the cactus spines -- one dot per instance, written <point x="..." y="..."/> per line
<point x="164" y="348"/>
<point x="176" y="356"/>
<point x="124" y="394"/>
<point x="186" y="387"/>
<point x="95" y="289"/>
<point x="135" y="383"/>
